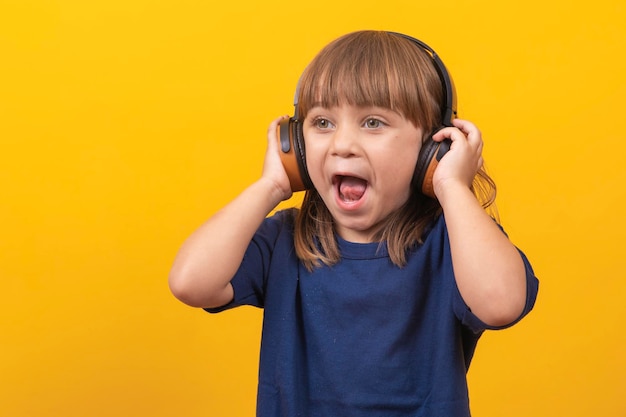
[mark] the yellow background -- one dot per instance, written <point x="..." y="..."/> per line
<point x="125" y="123"/>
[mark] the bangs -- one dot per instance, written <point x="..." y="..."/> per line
<point x="372" y="68"/>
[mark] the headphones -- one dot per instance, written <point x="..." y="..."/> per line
<point x="291" y="138"/>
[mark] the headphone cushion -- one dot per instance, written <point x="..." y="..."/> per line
<point x="429" y="147"/>
<point x="427" y="162"/>
<point x="299" y="148"/>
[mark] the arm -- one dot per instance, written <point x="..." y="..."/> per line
<point x="210" y="257"/>
<point x="489" y="270"/>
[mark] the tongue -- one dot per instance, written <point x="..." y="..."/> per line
<point x="351" y="188"/>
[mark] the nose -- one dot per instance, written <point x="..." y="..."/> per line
<point x="345" y="142"/>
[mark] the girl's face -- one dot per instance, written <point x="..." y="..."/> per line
<point x="361" y="162"/>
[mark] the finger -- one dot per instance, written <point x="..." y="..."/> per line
<point x="274" y="124"/>
<point x="469" y="129"/>
<point x="464" y="125"/>
<point x="272" y="131"/>
<point x="451" y="133"/>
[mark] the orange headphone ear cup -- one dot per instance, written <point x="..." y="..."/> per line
<point x="429" y="156"/>
<point x="292" y="155"/>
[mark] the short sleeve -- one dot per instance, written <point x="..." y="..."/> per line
<point x="249" y="280"/>
<point x="476" y="325"/>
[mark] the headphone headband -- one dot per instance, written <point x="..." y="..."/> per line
<point x="449" y="111"/>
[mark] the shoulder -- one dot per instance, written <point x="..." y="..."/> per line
<point x="280" y="221"/>
<point x="285" y="217"/>
<point x="278" y="226"/>
<point x="435" y="231"/>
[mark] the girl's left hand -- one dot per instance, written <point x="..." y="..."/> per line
<point x="460" y="165"/>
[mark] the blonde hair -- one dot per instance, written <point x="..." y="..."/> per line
<point x="374" y="68"/>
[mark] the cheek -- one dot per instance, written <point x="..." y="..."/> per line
<point x="400" y="178"/>
<point x="401" y="163"/>
<point x="314" y="162"/>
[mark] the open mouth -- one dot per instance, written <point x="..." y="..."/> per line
<point x="350" y="189"/>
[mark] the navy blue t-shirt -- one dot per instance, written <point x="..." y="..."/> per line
<point x="362" y="337"/>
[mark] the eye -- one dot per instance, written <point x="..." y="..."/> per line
<point x="373" y="123"/>
<point x="321" y="123"/>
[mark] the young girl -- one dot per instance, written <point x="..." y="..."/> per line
<point x="374" y="294"/>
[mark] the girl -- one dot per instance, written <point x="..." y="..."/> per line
<point x="374" y="294"/>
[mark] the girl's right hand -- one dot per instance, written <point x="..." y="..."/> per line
<point x="273" y="169"/>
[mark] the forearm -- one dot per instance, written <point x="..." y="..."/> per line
<point x="489" y="270"/>
<point x="210" y="257"/>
